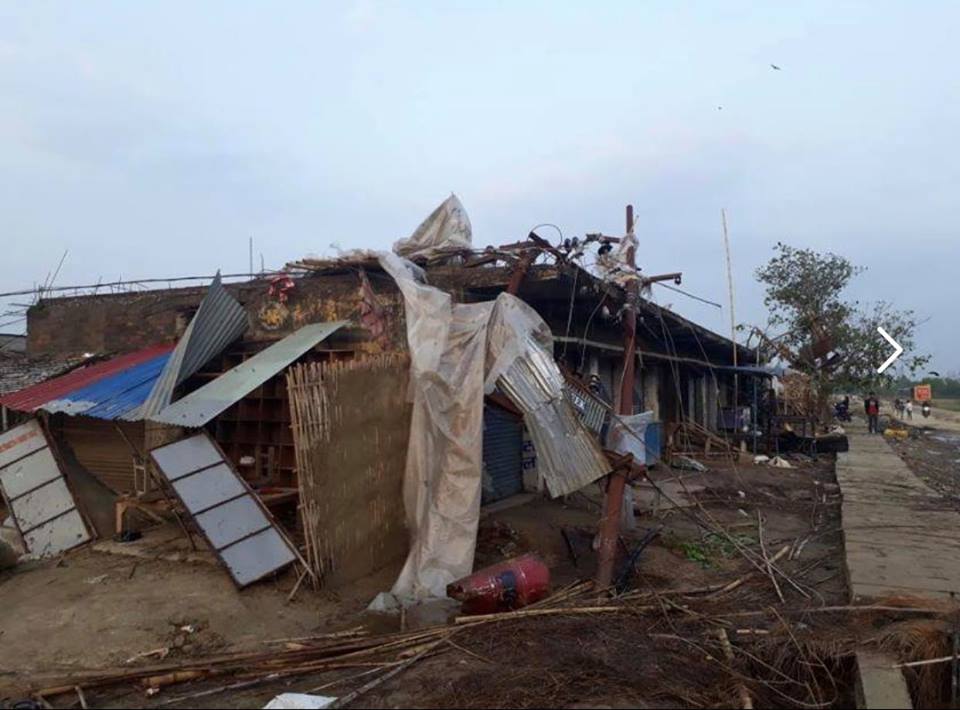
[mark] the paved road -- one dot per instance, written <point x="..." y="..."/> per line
<point x="899" y="533"/>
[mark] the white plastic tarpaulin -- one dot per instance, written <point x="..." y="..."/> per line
<point x="458" y="352"/>
<point x="447" y="227"/>
<point x="627" y="435"/>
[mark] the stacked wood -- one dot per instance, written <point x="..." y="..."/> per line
<point x="696" y="441"/>
<point x="798" y="397"/>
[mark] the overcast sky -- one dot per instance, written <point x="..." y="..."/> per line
<point x="152" y="139"/>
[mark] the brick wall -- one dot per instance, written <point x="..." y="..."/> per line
<point x="114" y="323"/>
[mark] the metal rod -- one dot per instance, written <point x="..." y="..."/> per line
<point x="27" y="292"/>
<point x="733" y="319"/>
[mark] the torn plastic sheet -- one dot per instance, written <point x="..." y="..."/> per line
<point x="457" y="353"/>
<point x="627" y="435"/>
<point x="441" y="488"/>
<point x="614" y="265"/>
<point x="447" y="227"/>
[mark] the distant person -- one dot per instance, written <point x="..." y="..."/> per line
<point x="871" y="405"/>
<point x="908" y="407"/>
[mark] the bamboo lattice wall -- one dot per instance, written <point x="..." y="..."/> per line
<point x="351" y="423"/>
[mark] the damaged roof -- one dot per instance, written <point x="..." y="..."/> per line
<point x="203" y="404"/>
<point x="219" y="320"/>
<point x="114" y="396"/>
<point x="105" y="386"/>
<point x="18" y="371"/>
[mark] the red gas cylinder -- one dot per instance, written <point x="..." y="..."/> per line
<point x="504" y="586"/>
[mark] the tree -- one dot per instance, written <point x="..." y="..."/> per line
<point x="833" y="340"/>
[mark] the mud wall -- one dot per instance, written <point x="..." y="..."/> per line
<point x="351" y="424"/>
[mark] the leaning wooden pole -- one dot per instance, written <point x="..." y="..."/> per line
<point x="617" y="480"/>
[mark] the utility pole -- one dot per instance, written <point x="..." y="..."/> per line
<point x="733" y="319"/>
<point x="617" y="480"/>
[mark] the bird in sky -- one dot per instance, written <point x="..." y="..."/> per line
<point x="775" y="67"/>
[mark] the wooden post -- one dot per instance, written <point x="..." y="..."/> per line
<point x="617" y="481"/>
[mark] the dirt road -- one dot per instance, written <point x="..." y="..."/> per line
<point x="939" y="418"/>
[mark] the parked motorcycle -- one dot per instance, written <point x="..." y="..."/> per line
<point x="841" y="411"/>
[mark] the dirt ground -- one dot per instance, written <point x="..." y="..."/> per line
<point x="91" y="609"/>
<point x="69" y="616"/>
<point x="633" y="662"/>
<point x="933" y="454"/>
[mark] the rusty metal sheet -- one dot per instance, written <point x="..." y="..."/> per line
<point x="228" y="513"/>
<point x="42" y="507"/>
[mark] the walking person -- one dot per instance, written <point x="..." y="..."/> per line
<point x="909" y="409"/>
<point x="871" y="406"/>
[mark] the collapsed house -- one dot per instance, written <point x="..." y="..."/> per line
<point x="295" y="391"/>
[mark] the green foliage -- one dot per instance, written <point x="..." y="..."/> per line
<point x="943" y="387"/>
<point x="713" y="546"/>
<point x="803" y="291"/>
<point x="695" y="552"/>
<point x="804" y="295"/>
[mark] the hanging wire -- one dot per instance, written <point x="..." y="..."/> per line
<point x="573" y="296"/>
<point x="688" y="294"/>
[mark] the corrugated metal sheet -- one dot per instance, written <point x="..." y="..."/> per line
<point x="32" y="398"/>
<point x="100" y="448"/>
<point x="219" y="321"/>
<point x="568" y="457"/>
<point x="502" y="454"/>
<point x="114" y="396"/>
<point x="591" y="409"/>
<point x="202" y="405"/>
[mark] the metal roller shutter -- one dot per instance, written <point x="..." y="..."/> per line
<point x="502" y="454"/>
<point x="102" y="450"/>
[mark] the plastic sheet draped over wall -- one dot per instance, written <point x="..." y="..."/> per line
<point x="458" y="352"/>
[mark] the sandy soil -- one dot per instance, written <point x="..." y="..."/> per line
<point x="70" y="616"/>
<point x="95" y="610"/>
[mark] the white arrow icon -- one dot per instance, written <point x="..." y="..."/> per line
<point x="897" y="349"/>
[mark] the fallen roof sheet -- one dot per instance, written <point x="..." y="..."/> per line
<point x="568" y="457"/>
<point x="115" y="396"/>
<point x="231" y="517"/>
<point x="43" y="509"/>
<point x="202" y="405"/>
<point x="219" y="321"/>
<point x="32" y="398"/>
